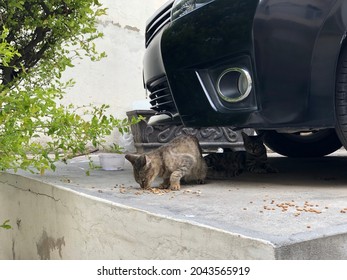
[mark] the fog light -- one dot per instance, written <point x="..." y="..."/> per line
<point x="234" y="84"/>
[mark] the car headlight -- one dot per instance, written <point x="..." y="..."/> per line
<point x="183" y="7"/>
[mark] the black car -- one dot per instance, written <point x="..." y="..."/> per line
<point x="277" y="66"/>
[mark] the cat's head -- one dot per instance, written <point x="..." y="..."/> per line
<point x="143" y="171"/>
<point x="253" y="144"/>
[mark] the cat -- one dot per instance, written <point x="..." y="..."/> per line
<point x="229" y="164"/>
<point x="181" y="158"/>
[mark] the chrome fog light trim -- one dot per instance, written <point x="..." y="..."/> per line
<point x="234" y="84"/>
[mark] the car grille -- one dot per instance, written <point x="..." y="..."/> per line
<point x="158" y="22"/>
<point x="161" y="98"/>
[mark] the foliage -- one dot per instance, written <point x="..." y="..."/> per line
<point x="113" y="148"/>
<point x="5" y="225"/>
<point x="38" y="41"/>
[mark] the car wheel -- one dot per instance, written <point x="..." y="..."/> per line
<point x="341" y="98"/>
<point x="303" y="144"/>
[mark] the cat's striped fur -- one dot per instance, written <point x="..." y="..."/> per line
<point x="229" y="164"/>
<point x="179" y="159"/>
<point x="225" y="165"/>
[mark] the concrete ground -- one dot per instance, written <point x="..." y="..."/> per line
<point x="301" y="211"/>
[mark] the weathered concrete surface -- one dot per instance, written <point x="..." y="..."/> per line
<point x="296" y="214"/>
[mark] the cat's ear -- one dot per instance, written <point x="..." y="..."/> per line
<point x="132" y="158"/>
<point x="139" y="160"/>
<point x="144" y="160"/>
<point x="261" y="135"/>
<point x="245" y="137"/>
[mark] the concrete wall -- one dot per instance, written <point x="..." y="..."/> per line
<point x="117" y="79"/>
<point x="52" y="222"/>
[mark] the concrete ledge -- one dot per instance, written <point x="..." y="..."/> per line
<point x="68" y="215"/>
<point x="54" y="222"/>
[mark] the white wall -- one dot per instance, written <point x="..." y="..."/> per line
<point x="117" y="79"/>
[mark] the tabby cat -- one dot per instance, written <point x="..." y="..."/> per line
<point x="230" y="164"/>
<point x="179" y="159"/>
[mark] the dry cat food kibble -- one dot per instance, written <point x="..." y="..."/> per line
<point x="295" y="208"/>
<point x="156" y="191"/>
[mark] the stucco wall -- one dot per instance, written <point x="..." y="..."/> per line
<point x="117" y="79"/>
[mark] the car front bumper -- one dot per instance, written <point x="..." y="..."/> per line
<point x="198" y="58"/>
<point x="273" y="41"/>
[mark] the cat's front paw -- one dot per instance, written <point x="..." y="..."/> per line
<point x="175" y="187"/>
<point x="163" y="186"/>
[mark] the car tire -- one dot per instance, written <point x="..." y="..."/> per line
<point x="341" y="97"/>
<point x="312" y="144"/>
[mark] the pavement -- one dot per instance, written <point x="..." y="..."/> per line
<point x="301" y="211"/>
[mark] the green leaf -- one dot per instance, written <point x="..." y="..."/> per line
<point x="39" y="40"/>
<point x="5" y="225"/>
